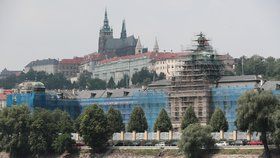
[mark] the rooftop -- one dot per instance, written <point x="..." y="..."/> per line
<point x="108" y="93"/>
<point x="93" y="57"/>
<point x="117" y="43"/>
<point x="271" y="85"/>
<point x="242" y="78"/>
<point x="169" y="55"/>
<point x="43" y="62"/>
<point x="148" y="54"/>
<point x="76" y="60"/>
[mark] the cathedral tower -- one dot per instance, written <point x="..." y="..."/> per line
<point x="156" y="47"/>
<point x="105" y="33"/>
<point x="138" y="48"/>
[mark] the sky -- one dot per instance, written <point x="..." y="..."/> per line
<point x="39" y="29"/>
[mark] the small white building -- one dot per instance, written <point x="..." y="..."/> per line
<point x="169" y="63"/>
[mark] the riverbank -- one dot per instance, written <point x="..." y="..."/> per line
<point x="161" y="153"/>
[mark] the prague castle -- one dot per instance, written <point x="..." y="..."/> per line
<point x="125" y="45"/>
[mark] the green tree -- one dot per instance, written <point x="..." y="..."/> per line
<point x="194" y="138"/>
<point x="63" y="121"/>
<point x="83" y="79"/>
<point x="276" y="131"/>
<point x="163" y="122"/>
<point x="111" y="84"/>
<point x="43" y="132"/>
<point x="56" y="81"/>
<point x="9" y="82"/>
<point x="51" y="81"/>
<point x="137" y="121"/>
<point x="254" y="113"/>
<point x="63" y="143"/>
<point x="94" y="128"/>
<point x="143" y="77"/>
<point x="77" y="123"/>
<point x="188" y="118"/>
<point x="96" y="84"/>
<point x="115" y="121"/>
<point x="254" y="65"/>
<point x="218" y="121"/>
<point x="14" y="130"/>
<point x="124" y="82"/>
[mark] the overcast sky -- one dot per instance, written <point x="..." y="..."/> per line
<point x="38" y="29"/>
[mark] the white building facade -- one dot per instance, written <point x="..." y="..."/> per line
<point x="169" y="63"/>
<point x="50" y="66"/>
<point x="120" y="66"/>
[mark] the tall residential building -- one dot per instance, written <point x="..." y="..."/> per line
<point x="111" y="46"/>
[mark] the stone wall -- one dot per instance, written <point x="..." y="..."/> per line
<point x="176" y="135"/>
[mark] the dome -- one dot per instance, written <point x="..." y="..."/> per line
<point x="30" y="86"/>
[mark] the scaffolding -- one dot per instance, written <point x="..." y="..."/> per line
<point x="192" y="85"/>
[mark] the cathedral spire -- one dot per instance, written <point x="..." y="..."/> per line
<point x="123" y="33"/>
<point x="106" y="22"/>
<point x="156" y="47"/>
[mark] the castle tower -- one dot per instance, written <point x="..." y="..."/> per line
<point x="138" y="48"/>
<point x="156" y="47"/>
<point x="123" y="33"/>
<point x="105" y="33"/>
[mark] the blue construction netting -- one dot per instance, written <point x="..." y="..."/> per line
<point x="42" y="100"/>
<point x="150" y="101"/>
<point x="226" y="99"/>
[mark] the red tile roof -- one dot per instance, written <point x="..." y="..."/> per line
<point x="101" y="57"/>
<point x="148" y="54"/>
<point x="93" y="57"/>
<point x="2" y="97"/>
<point x="8" y="91"/>
<point x="76" y="60"/>
<point x="169" y="55"/>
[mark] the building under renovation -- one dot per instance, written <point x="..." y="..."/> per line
<point x="192" y="86"/>
<point x="33" y="95"/>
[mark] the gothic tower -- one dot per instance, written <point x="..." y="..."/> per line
<point x="138" y="48"/>
<point x="123" y="33"/>
<point x="105" y="33"/>
<point x="156" y="47"/>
